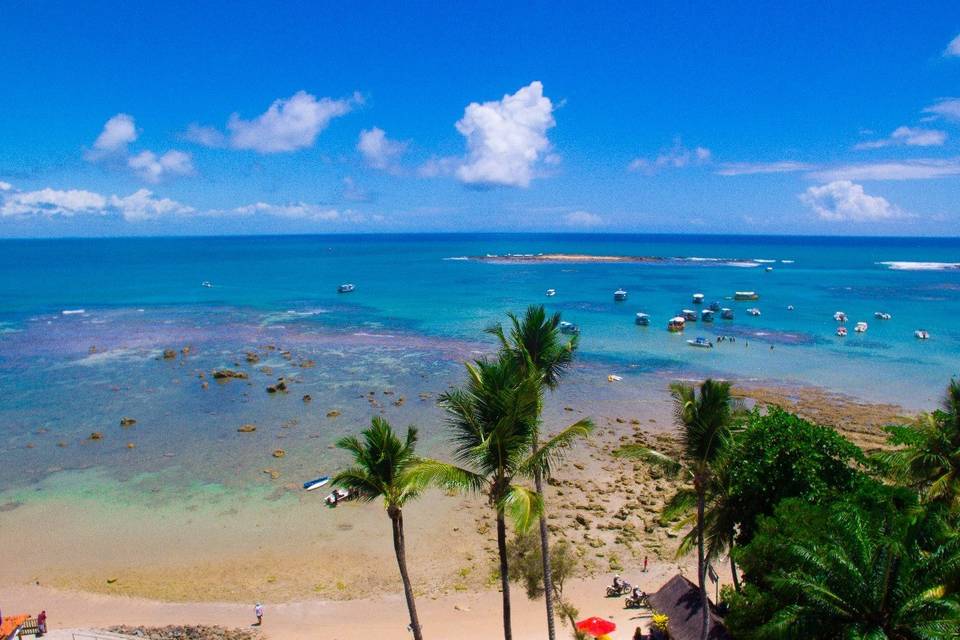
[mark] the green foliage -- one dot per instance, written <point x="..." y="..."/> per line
<point x="523" y="552"/>
<point x="381" y="461"/>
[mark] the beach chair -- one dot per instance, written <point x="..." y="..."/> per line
<point x="29" y="628"/>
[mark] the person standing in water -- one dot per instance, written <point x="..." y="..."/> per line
<point x="258" y="611"/>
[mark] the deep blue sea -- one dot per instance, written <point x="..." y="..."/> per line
<point x="419" y="310"/>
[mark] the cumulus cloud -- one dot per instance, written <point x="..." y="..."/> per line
<point x="298" y="211"/>
<point x="118" y="132"/>
<point x="288" y="124"/>
<point x="910" y="136"/>
<point x="5" y="186"/>
<point x="153" y="168"/>
<point x="919" y="169"/>
<point x="946" y="108"/>
<point x="506" y="139"/>
<point x="67" y="203"/>
<point x="751" y="168"/>
<point x="953" y="49"/>
<point x="378" y="150"/>
<point x="845" y="201"/>
<point x="583" y="219"/>
<point x="141" y="205"/>
<point x="677" y="156"/>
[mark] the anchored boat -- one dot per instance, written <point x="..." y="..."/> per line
<point x="345" y="288"/>
<point x="746" y="295"/>
<point x="643" y="319"/>
<point x="701" y="342"/>
<point x="620" y="295"/>
<point x="676" y="324"/>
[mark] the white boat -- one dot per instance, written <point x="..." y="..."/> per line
<point x="569" y="328"/>
<point x="840" y="316"/>
<point x="337" y="495"/>
<point x="726" y="313"/>
<point x="706" y="315"/>
<point x="746" y="295"/>
<point x="676" y="324"/>
<point x="643" y="319"/>
<point x="861" y="327"/>
<point x="842" y="332"/>
<point x="614" y="378"/>
<point x="689" y="315"/>
<point x="768" y="269"/>
<point x="921" y="334"/>
<point x="551" y="293"/>
<point x="620" y="295"/>
<point x="714" y="306"/>
<point x="789" y="307"/>
<point x="753" y="311"/>
<point x="345" y="288"/>
<point x="882" y="315"/>
<point x="703" y="343"/>
<point x="206" y="283"/>
<point x="316" y="483"/>
<point x="698" y="298"/>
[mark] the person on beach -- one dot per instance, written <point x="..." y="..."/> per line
<point x="42" y="623"/>
<point x="258" y="611"/>
<point x="645" y="559"/>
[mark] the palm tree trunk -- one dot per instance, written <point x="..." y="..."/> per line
<point x="702" y="566"/>
<point x="547" y="570"/>
<point x="400" y="547"/>
<point x="504" y="574"/>
<point x="733" y="569"/>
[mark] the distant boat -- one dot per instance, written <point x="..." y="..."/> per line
<point x="882" y="315"/>
<point x="206" y="283"/>
<point x="643" y="319"/>
<point x="714" y="306"/>
<point x="921" y="334"/>
<point x="569" y="328"/>
<point x="842" y="332"/>
<point x="689" y="315"/>
<point x="706" y="315"/>
<point x="726" y="313"/>
<point x="840" y="316"/>
<point x="746" y="295"/>
<point x="789" y="307"/>
<point x="614" y="378"/>
<point x="676" y="324"/>
<point x="551" y="293"/>
<point x="345" y="288"/>
<point x="620" y="295"/>
<point x="316" y="483"/>
<point x="753" y="311"/>
<point x="701" y="342"/>
<point x="768" y="269"/>
<point x="861" y="327"/>
<point x="698" y="298"/>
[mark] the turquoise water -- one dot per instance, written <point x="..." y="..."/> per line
<point x="418" y="311"/>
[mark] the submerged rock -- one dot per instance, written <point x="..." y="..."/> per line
<point x="252" y="358"/>
<point x="226" y="374"/>
<point x="127" y="422"/>
<point x="279" y="453"/>
<point x="169" y="354"/>
<point x="333" y="413"/>
<point x="247" y="428"/>
<point x="280" y="386"/>
<point x="307" y="398"/>
<point x="96" y="435"/>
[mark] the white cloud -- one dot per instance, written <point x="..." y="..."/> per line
<point x="289" y="124"/>
<point x="206" y="136"/>
<point x="141" y="205"/>
<point x="953" y="49"/>
<point x="118" y="132"/>
<point x="5" y="186"/>
<point x="378" y="150"/>
<point x="920" y="169"/>
<point x="295" y="211"/>
<point x="910" y="136"/>
<point x="582" y="219"/>
<point x="506" y="138"/>
<point x="946" y="108"/>
<point x="750" y="168"/>
<point x="845" y="201"/>
<point x="435" y="167"/>
<point x="677" y="156"/>
<point x="153" y="168"/>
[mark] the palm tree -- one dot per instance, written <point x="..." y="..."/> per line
<point x="706" y="420"/>
<point x="929" y="459"/>
<point x="493" y="424"/>
<point x="536" y="347"/>
<point x="381" y="462"/>
<point x="866" y="582"/>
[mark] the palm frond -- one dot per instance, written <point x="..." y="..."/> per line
<point x="522" y="505"/>
<point x="551" y="452"/>
<point x="446" y="476"/>
<point x="650" y="456"/>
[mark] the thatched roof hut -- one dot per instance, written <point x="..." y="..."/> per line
<point x="680" y="600"/>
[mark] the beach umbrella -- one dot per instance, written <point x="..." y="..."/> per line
<point x="596" y="626"/>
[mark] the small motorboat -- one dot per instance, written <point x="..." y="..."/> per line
<point x="841" y="332"/>
<point x="753" y="311"/>
<point x="840" y="316"/>
<point x="768" y="269"/>
<point x="701" y="342"/>
<point x="789" y="307"/>
<point x="921" y="334"/>
<point x="345" y="288"/>
<point x="676" y="324"/>
<point x="551" y="293"/>
<point x="714" y="306"/>
<point x="882" y="315"/>
<point x="316" y="483"/>
<point x="746" y="295"/>
<point x="569" y="328"/>
<point x="614" y="378"/>
<point x="861" y="327"/>
<point x="706" y="315"/>
<point x="726" y="313"/>
<point x="337" y="495"/>
<point x="620" y="295"/>
<point x="643" y="319"/>
<point x="689" y="315"/>
<point x="698" y="298"/>
<point x="206" y="283"/>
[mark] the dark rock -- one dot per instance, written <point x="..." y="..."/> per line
<point x="127" y="422"/>
<point x="226" y="374"/>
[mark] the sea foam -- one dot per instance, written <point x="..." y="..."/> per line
<point x="921" y="266"/>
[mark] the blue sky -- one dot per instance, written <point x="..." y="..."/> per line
<point x="171" y="118"/>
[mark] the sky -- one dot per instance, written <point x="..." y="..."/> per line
<point x="169" y="118"/>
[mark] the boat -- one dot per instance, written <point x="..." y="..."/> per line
<point x="551" y="293"/>
<point x="620" y="295"/>
<point x="345" y="288"/>
<point x="206" y="283"/>
<point x="714" y="306"/>
<point x="726" y="313"/>
<point x="768" y="269"/>
<point x="861" y="327"/>
<point x="789" y="307"/>
<point x="614" y="378"/>
<point x="753" y="311"/>
<point x="706" y="315"/>
<point x="569" y="328"/>
<point x="842" y="332"/>
<point x="698" y="298"/>
<point x="337" y="495"/>
<point x="643" y="319"/>
<point x="316" y="483"/>
<point x="701" y="342"/>
<point x="746" y="295"/>
<point x="882" y="315"/>
<point x="840" y="316"/>
<point x="921" y="334"/>
<point x="676" y="324"/>
<point x="689" y="315"/>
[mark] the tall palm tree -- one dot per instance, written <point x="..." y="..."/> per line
<point x="381" y="462"/>
<point x="706" y="419"/>
<point x="536" y="347"/>
<point x="493" y="422"/>
<point x="929" y="459"/>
